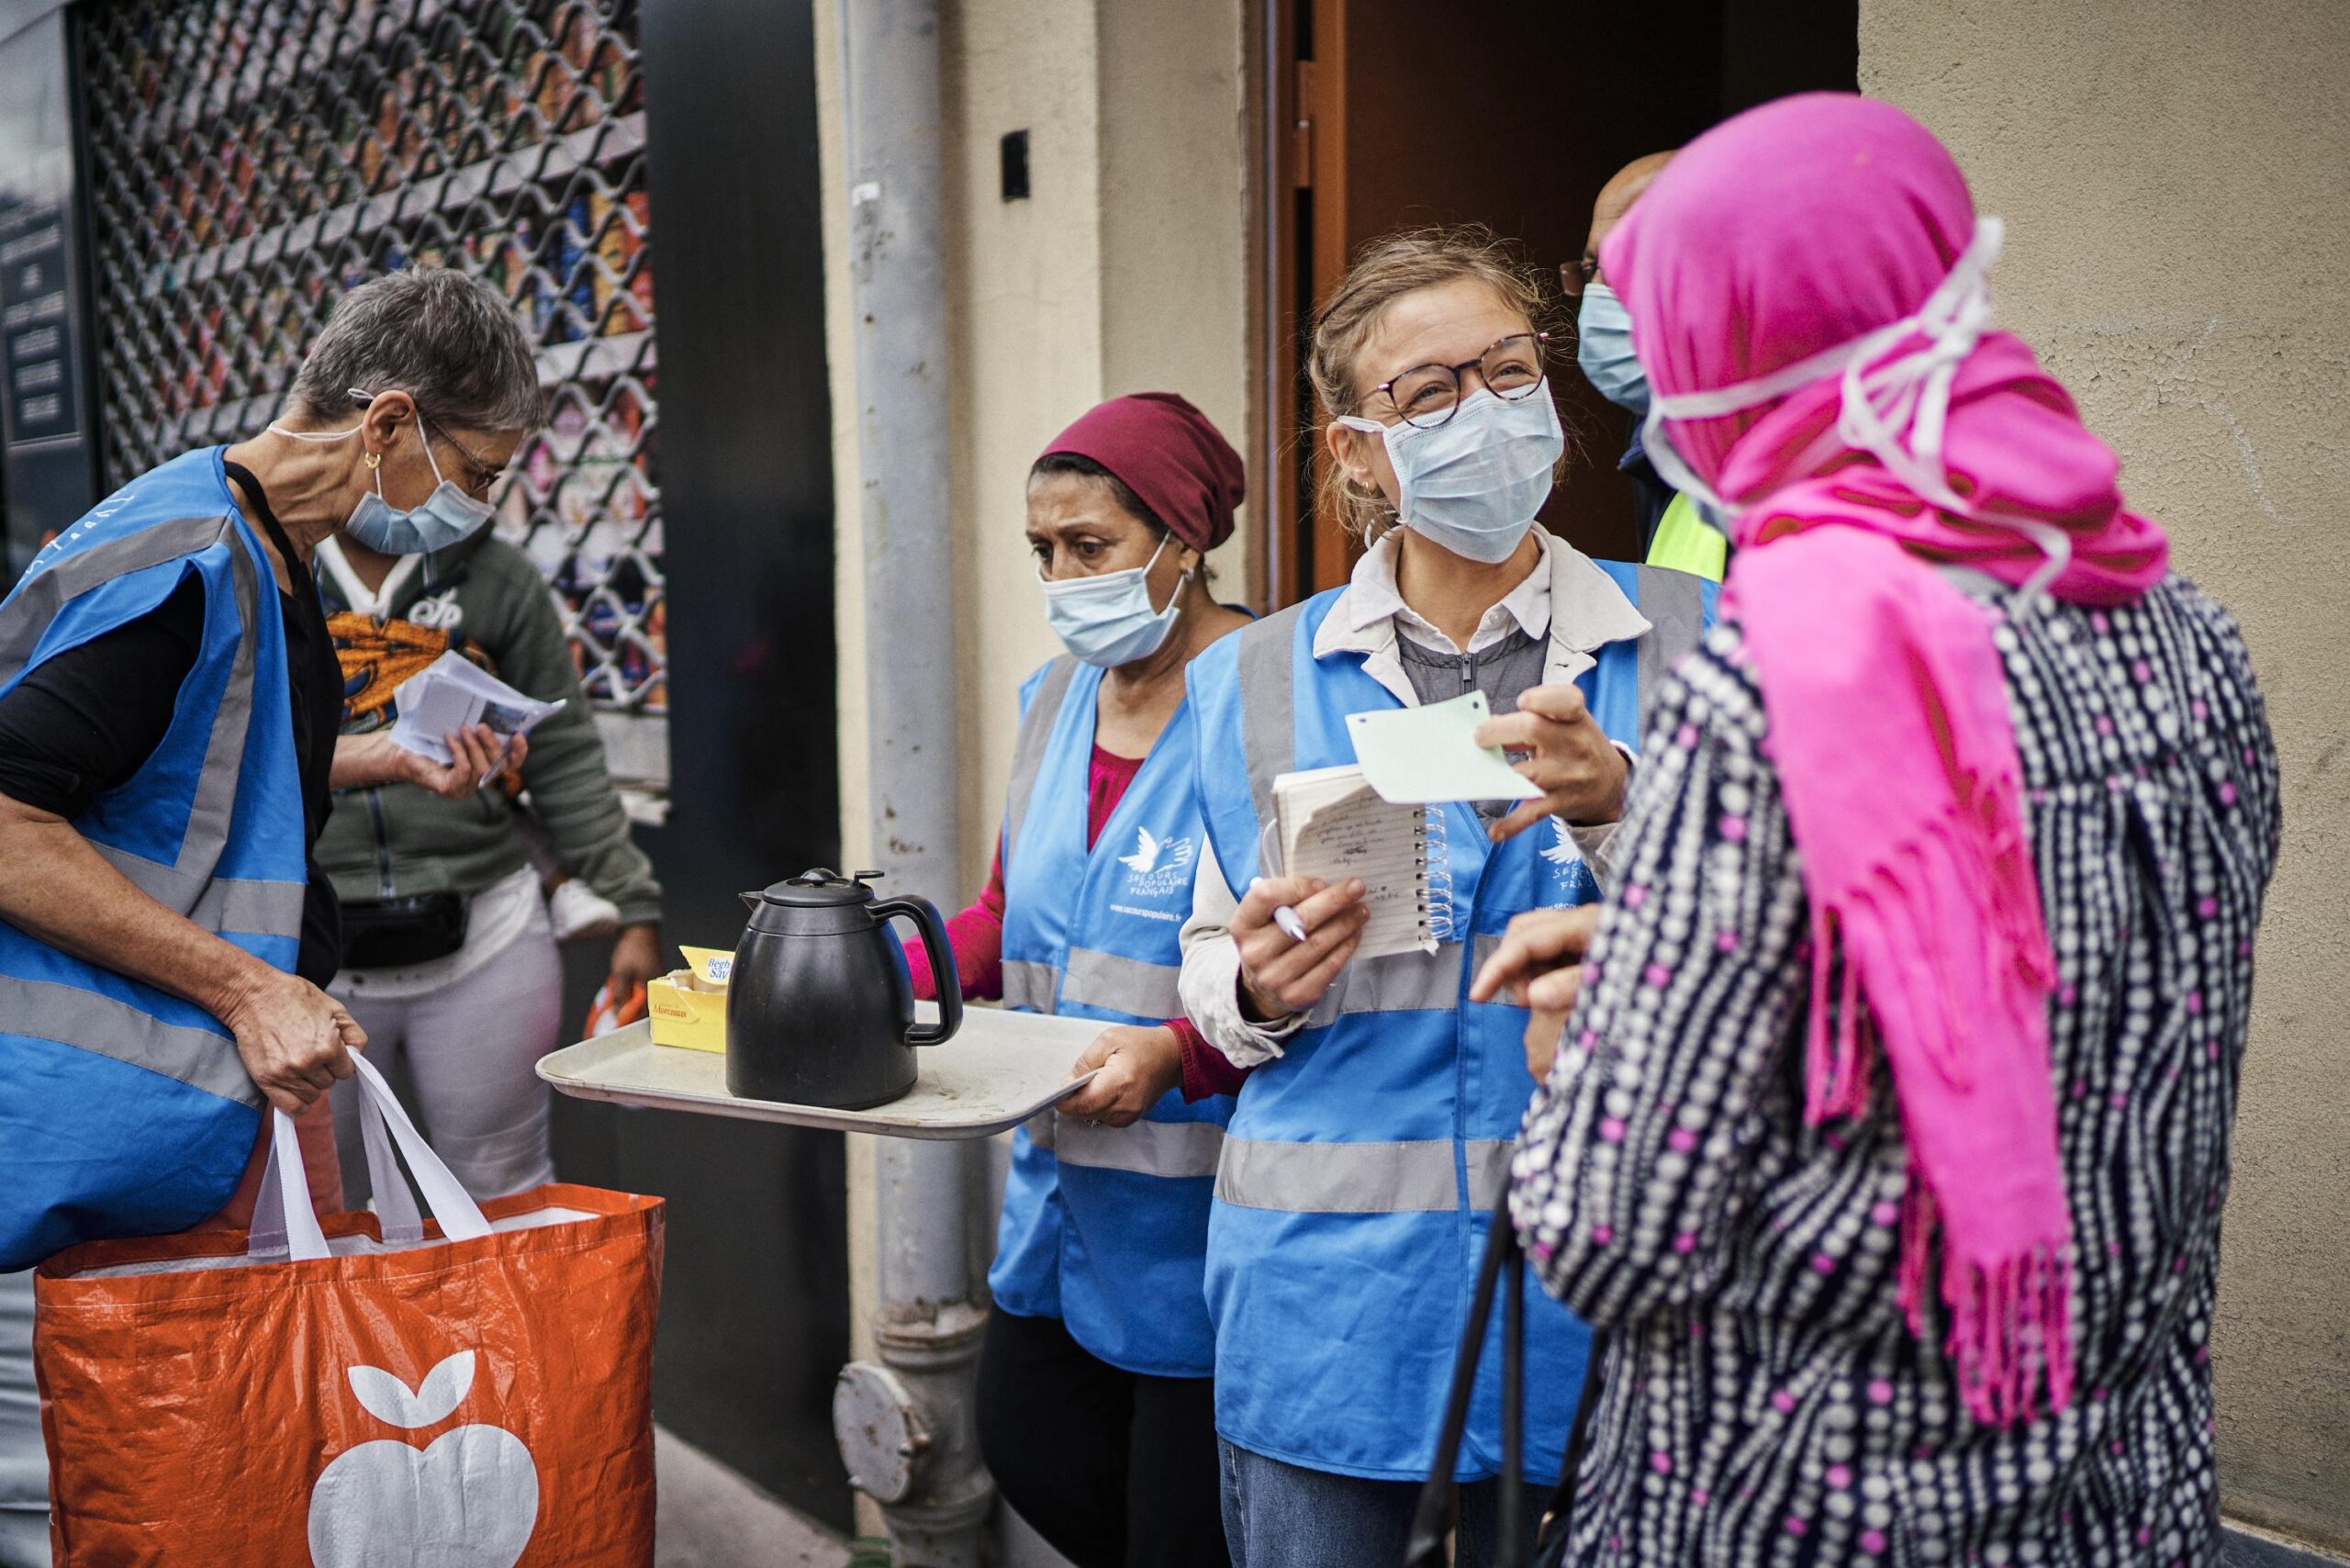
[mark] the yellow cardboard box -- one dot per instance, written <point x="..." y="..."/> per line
<point x="687" y="1006"/>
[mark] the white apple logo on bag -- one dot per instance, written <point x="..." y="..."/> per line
<point x="470" y="1500"/>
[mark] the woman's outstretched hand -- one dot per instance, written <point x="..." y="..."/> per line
<point x="1538" y="966"/>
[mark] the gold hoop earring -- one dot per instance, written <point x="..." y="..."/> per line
<point x="374" y="461"/>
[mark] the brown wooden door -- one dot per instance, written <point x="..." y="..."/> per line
<point x="1384" y="113"/>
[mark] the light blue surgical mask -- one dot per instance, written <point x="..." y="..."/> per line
<point x="1107" y="618"/>
<point x="447" y="517"/>
<point x="1604" y="348"/>
<point x="1475" y="482"/>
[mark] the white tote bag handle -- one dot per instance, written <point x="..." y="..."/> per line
<point x="284" y="1220"/>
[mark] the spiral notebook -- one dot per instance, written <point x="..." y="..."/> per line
<point x="1330" y="823"/>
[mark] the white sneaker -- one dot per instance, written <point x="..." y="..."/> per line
<point x="577" y="911"/>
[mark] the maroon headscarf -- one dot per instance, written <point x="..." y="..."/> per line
<point x="1167" y="452"/>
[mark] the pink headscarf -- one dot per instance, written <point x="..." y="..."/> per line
<point x="1778" y="236"/>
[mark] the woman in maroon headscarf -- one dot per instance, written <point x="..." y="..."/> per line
<point x="1096" y="1402"/>
<point x="1890" y="1132"/>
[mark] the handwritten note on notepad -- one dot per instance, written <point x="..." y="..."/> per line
<point x="1423" y="754"/>
<point x="1331" y="825"/>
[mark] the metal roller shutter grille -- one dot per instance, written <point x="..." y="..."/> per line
<point x="252" y="159"/>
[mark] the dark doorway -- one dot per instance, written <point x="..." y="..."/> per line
<point x="1383" y="114"/>
<point x="755" y="1307"/>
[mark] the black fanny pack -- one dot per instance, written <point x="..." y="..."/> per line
<point x="400" y="934"/>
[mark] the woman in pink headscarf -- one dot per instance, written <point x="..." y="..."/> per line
<point x="1892" y="1124"/>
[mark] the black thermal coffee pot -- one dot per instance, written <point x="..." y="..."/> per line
<point x="820" y="1009"/>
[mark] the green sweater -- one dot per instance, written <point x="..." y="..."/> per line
<point x="487" y="600"/>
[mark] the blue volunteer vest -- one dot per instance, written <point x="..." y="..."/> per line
<point x="1361" y="1165"/>
<point x="1104" y="1227"/>
<point x="124" y="1111"/>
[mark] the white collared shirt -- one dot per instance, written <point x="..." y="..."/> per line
<point x="1372" y="596"/>
<point x="1567" y="600"/>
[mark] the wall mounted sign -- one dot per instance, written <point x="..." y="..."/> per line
<point x="48" y="476"/>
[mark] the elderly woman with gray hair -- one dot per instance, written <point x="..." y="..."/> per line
<point x="169" y="703"/>
<point x="449" y="959"/>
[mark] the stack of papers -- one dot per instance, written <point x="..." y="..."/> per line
<point x="1377" y="818"/>
<point x="1332" y="825"/>
<point x="452" y="692"/>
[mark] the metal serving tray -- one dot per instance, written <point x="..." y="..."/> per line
<point x="1000" y="1068"/>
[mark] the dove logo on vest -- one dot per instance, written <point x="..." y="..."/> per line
<point x="1567" y="868"/>
<point x="1158" y="866"/>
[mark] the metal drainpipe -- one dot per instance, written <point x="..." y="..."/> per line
<point x="905" y="1426"/>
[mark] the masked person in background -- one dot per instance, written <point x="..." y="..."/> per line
<point x="1096" y="1415"/>
<point x="1369" y="1144"/>
<point x="1674" y="530"/>
<point x="450" y="961"/>
<point x="1891" y="1130"/>
<point x="167" y="744"/>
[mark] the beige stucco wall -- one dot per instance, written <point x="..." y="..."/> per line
<point x="1124" y="270"/>
<point x="2175" y="177"/>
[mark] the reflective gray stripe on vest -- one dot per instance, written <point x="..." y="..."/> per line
<point x="222" y="904"/>
<point x="1338" y="1178"/>
<point x="104" y="1026"/>
<point x="37" y="603"/>
<point x="1095" y="979"/>
<point x="224" y="753"/>
<point x="253" y="909"/>
<point x="1267" y="733"/>
<point x="1400" y="982"/>
<point x="1489" y="1161"/>
<point x="1418" y="1177"/>
<point x="1029" y="984"/>
<point x="1120" y="984"/>
<point x="1028" y="751"/>
<point x="1484" y="946"/>
<point x="1174" y="1150"/>
<point x="1674" y="605"/>
<point x="43" y="593"/>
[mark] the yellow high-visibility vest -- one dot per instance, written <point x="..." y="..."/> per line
<point x="1687" y="543"/>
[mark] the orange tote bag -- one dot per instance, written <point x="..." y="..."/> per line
<point x="372" y="1391"/>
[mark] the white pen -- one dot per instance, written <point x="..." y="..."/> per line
<point x="505" y="751"/>
<point x="1285" y="918"/>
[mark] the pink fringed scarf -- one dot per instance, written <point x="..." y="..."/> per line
<point x="1781" y="234"/>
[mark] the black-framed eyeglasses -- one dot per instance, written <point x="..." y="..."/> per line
<point x="1426" y="394"/>
<point x="1575" y="276"/>
<point x="485" y="478"/>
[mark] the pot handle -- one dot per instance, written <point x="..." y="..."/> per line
<point x="926" y="918"/>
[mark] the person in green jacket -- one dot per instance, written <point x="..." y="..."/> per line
<point x="450" y="959"/>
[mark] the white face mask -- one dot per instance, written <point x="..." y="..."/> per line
<point x="1893" y="411"/>
<point x="1475" y="482"/>
<point x="1106" y="619"/>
